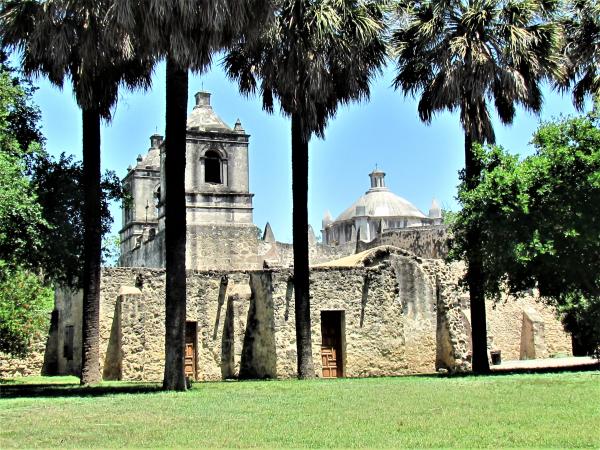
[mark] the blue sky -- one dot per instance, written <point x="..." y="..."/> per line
<point x="421" y="161"/>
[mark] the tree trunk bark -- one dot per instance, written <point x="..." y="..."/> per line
<point x="90" y="362"/>
<point x="300" y="239"/>
<point x="480" y="363"/>
<point x="175" y="225"/>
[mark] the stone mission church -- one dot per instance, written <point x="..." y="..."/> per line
<point x="383" y="300"/>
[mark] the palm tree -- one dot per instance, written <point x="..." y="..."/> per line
<point x="460" y="55"/>
<point x="583" y="49"/>
<point x="77" y="40"/>
<point x="186" y="33"/>
<point x="313" y="56"/>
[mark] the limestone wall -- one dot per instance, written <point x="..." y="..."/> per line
<point x="505" y="319"/>
<point x="222" y="247"/>
<point x="246" y="322"/>
<point x="425" y="242"/>
<point x="208" y="247"/>
<point x="399" y="314"/>
<point x="31" y="365"/>
<point x="281" y="254"/>
<point x="505" y="323"/>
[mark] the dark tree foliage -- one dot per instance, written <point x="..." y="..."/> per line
<point x="23" y="116"/>
<point x="582" y="49"/>
<point x="59" y="187"/>
<point x="540" y="222"/>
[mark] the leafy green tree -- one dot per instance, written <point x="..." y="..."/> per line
<point x="25" y="304"/>
<point x="24" y="301"/>
<point x="461" y="55"/>
<point x="539" y="220"/>
<point x="314" y="56"/>
<point x="21" y="116"/>
<point x="22" y="224"/>
<point x="41" y="223"/>
<point x="59" y="186"/>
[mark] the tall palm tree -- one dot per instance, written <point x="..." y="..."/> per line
<point x="78" y="40"/>
<point x="582" y="26"/>
<point x="186" y="33"/>
<point x="461" y="55"/>
<point x="313" y="56"/>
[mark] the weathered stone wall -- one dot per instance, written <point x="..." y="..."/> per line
<point x="208" y="247"/>
<point x="505" y="324"/>
<point x="400" y="314"/>
<point x="504" y="320"/>
<point x="417" y="295"/>
<point x="281" y="254"/>
<point x="425" y="242"/>
<point x="148" y="251"/>
<point x="224" y="304"/>
<point x="222" y="247"/>
<point x="30" y="365"/>
<point x="68" y="305"/>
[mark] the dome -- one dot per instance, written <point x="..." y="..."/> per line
<point x="203" y="118"/>
<point x="380" y="202"/>
<point x="152" y="158"/>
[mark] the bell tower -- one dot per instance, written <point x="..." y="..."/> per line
<point x="220" y="232"/>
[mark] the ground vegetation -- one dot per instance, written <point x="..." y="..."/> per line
<point x="524" y="411"/>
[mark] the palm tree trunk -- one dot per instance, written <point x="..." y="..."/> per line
<point x="480" y="363"/>
<point x="175" y="225"/>
<point x="300" y="238"/>
<point x="90" y="362"/>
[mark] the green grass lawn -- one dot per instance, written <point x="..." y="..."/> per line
<point x="547" y="410"/>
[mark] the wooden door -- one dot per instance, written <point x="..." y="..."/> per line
<point x="190" y="350"/>
<point x="331" y="344"/>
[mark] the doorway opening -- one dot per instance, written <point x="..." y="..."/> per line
<point x="190" y="362"/>
<point x="332" y="343"/>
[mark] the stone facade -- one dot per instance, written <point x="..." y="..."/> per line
<point x="400" y="314"/>
<point x="426" y="242"/>
<point x="220" y="231"/>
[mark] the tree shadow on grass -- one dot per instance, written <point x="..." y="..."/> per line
<point x="74" y="390"/>
<point x="497" y="371"/>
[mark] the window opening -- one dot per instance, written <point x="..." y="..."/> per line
<point x="212" y="167"/>
<point x="68" y="347"/>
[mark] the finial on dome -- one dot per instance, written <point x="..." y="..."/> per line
<point x="202" y="98"/>
<point x="377" y="178"/>
<point x="156" y="140"/>
<point x="435" y="212"/>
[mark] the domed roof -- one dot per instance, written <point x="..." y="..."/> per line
<point x="203" y="118"/>
<point x="152" y="158"/>
<point x="380" y="202"/>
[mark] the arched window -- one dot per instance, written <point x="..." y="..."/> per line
<point x="212" y="167"/>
